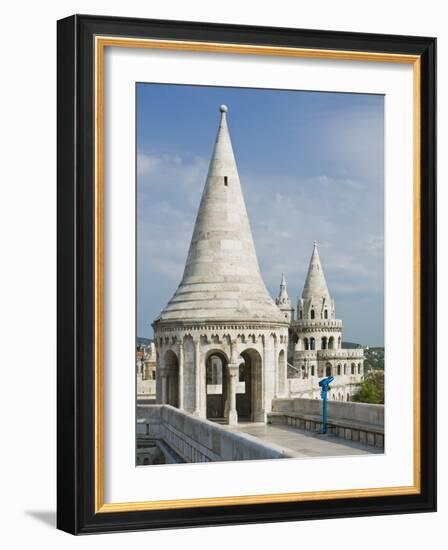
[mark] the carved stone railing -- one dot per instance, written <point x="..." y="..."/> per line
<point x="194" y="439"/>
<point x="360" y="422"/>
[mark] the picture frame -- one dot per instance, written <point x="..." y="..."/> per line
<point x="82" y="42"/>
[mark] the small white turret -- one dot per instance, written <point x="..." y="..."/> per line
<point x="316" y="302"/>
<point x="283" y="301"/>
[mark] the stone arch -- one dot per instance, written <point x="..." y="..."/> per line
<point x="170" y="379"/>
<point x="312" y="314"/>
<point x="216" y="383"/>
<point x="328" y="369"/>
<point x="323" y="344"/>
<point x="353" y="368"/>
<point x="312" y="343"/>
<point x="331" y="342"/>
<point x="306" y="344"/>
<point x="249" y="403"/>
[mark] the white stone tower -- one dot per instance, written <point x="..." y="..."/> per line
<point x="316" y="341"/>
<point x="315" y="310"/>
<point x="283" y="301"/>
<point x="221" y="311"/>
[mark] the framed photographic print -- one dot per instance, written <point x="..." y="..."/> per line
<point x="246" y="274"/>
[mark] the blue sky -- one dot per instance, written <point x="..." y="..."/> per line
<point x="311" y="167"/>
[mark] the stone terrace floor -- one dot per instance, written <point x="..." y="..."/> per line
<point x="302" y="443"/>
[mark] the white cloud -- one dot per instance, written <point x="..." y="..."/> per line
<point x="146" y="164"/>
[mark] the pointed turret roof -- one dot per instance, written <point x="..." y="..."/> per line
<point x="283" y="297"/>
<point x="315" y="284"/>
<point x="222" y="279"/>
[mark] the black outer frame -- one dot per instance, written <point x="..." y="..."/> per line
<point x="75" y="295"/>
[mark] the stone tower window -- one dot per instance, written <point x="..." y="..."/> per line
<point x="326" y="314"/>
<point x="226" y="181"/>
<point x="312" y="314"/>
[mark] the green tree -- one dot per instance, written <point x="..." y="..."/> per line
<point x="371" y="389"/>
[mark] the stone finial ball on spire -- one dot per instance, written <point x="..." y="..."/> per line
<point x="223" y="108"/>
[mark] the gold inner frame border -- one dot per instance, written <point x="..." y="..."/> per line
<point x="101" y="42"/>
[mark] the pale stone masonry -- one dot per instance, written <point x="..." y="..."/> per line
<point x="223" y="344"/>
<point x="315" y="342"/>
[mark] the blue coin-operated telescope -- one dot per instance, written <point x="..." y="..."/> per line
<point x="325" y="386"/>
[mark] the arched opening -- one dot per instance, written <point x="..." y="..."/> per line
<point x="216" y="385"/>
<point x="328" y="370"/>
<point x="339" y="370"/>
<point x="312" y="344"/>
<point x="326" y="314"/>
<point x="170" y="394"/>
<point x="306" y="344"/>
<point x="353" y="368"/>
<point x="324" y="342"/>
<point x="339" y="342"/>
<point x="359" y="368"/>
<point x="249" y="404"/>
<point x="312" y="314"/>
<point x="331" y="342"/>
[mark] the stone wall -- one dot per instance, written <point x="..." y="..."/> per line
<point x="198" y="440"/>
<point x="146" y="389"/>
<point x="352" y="421"/>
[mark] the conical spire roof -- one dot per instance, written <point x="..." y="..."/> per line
<point x="283" y="297"/>
<point x="315" y="284"/>
<point x="222" y="280"/>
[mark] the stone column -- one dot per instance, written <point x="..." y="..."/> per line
<point x="233" y="369"/>
<point x="181" y="375"/>
<point x="164" y="388"/>
<point x="276" y="369"/>
<point x="197" y="374"/>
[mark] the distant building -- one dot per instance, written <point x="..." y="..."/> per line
<point x="315" y="341"/>
<point x="224" y="347"/>
<point x="146" y="371"/>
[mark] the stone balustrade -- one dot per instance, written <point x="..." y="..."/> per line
<point x="346" y="354"/>
<point x="301" y="324"/>
<point x="361" y="422"/>
<point x="194" y="439"/>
